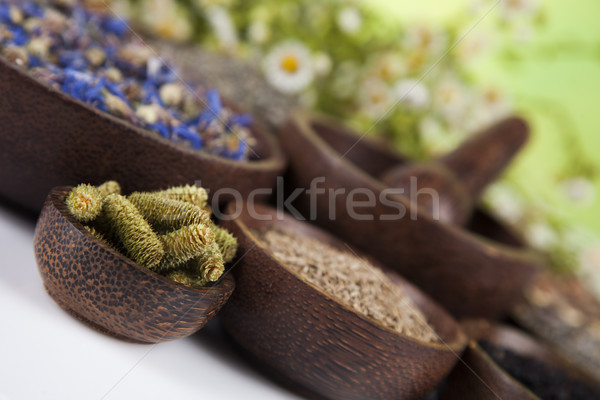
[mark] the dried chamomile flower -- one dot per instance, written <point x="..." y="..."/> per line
<point x="190" y="194"/>
<point x="227" y="243"/>
<point x="165" y="214"/>
<point x="17" y="55"/>
<point x="109" y="187"/>
<point x="84" y="202"/>
<point x="184" y="244"/>
<point x="134" y="232"/>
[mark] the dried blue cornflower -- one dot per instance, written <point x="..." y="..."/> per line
<point x="94" y="58"/>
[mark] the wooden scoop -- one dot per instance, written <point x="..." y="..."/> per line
<point x="450" y="187"/>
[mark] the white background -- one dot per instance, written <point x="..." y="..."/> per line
<point x="47" y="354"/>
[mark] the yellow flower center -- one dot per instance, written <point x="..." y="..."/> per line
<point x="492" y="96"/>
<point x="515" y="3"/>
<point x="426" y="38"/>
<point x="290" y="63"/>
<point x="378" y="98"/>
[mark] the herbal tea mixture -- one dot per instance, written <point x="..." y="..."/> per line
<point x="351" y="280"/>
<point x="169" y="231"/>
<point x="97" y="59"/>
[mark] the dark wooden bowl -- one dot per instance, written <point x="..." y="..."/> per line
<point x="109" y="291"/>
<point x="50" y="139"/>
<point x="559" y="309"/>
<point x="469" y="274"/>
<point x="309" y="338"/>
<point x="504" y="363"/>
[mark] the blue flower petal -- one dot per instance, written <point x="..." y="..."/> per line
<point x="161" y="129"/>
<point x="244" y="120"/>
<point x="115" y="25"/>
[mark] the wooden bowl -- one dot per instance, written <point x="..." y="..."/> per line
<point x="561" y="310"/>
<point x="110" y="292"/>
<point x="469" y="274"/>
<point x="311" y="339"/>
<point x="502" y="362"/>
<point x="48" y="139"/>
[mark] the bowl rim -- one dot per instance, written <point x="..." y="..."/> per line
<point x="274" y="159"/>
<point x="454" y="345"/>
<point x="56" y="198"/>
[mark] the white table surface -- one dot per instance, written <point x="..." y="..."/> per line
<point x="47" y="354"/>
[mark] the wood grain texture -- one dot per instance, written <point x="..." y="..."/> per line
<point x="49" y="139"/>
<point x="469" y="274"/>
<point x="314" y="340"/>
<point x="112" y="293"/>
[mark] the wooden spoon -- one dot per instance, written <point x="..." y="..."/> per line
<point x="307" y="337"/>
<point x="460" y="177"/>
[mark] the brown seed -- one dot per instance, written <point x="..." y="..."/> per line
<point x="354" y="282"/>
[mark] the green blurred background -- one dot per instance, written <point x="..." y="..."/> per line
<point x="555" y="82"/>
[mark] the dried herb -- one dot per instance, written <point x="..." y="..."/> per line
<point x="135" y="233"/>
<point x="84" y="202"/>
<point x="185" y="243"/>
<point x="95" y="58"/>
<point x="169" y="231"/>
<point x="109" y="187"/>
<point x="164" y="213"/>
<point x="227" y="243"/>
<point x="194" y="195"/>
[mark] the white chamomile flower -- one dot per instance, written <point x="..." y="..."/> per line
<point x="167" y="20"/>
<point x="451" y="99"/>
<point x="222" y="26"/>
<point x="412" y="93"/>
<point x="505" y="202"/>
<point x="517" y="8"/>
<point x="540" y="235"/>
<point x="288" y="67"/>
<point x="490" y="107"/>
<point x="375" y="97"/>
<point x="349" y="19"/>
<point x="425" y="38"/>
<point x="495" y="103"/>
<point x="322" y="64"/>
<point x="474" y="46"/>
<point x="579" y="190"/>
<point x="387" y="66"/>
<point x="258" y="31"/>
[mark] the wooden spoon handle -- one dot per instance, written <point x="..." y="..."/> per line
<point x="480" y="160"/>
